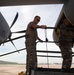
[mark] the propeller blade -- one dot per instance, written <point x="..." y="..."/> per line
<point x="23" y="31"/>
<point x="13" y="44"/>
<point x="14" y="20"/>
<point x="14" y="39"/>
<point x="12" y="52"/>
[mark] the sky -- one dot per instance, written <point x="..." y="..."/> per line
<point x="48" y="14"/>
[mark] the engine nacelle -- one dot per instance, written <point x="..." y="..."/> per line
<point x="4" y="29"/>
<point x="68" y="12"/>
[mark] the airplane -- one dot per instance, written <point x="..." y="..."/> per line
<point x="67" y="11"/>
<point x="5" y="32"/>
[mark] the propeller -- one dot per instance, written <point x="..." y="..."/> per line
<point x="14" y="20"/>
<point x="11" y="27"/>
<point x="12" y="41"/>
<point x="23" y="31"/>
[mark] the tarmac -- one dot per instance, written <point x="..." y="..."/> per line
<point x="15" y="69"/>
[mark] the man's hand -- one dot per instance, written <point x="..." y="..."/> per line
<point x="43" y="26"/>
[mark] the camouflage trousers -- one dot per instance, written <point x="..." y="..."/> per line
<point x="31" y="61"/>
<point x="65" y="45"/>
<point x="66" y="54"/>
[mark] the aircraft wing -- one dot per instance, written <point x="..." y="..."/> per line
<point x="29" y="2"/>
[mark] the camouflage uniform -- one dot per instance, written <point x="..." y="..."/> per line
<point x="65" y="44"/>
<point x="31" y="36"/>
